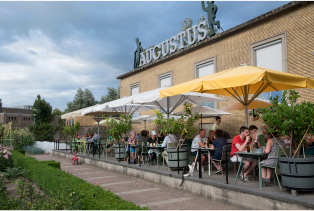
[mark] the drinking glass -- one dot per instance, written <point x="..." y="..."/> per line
<point x="248" y="148"/>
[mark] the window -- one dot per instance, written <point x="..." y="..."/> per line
<point x="72" y="122"/>
<point x="203" y="68"/>
<point x="271" y="54"/>
<point x="14" y="118"/>
<point x="9" y="118"/>
<point x="165" y="80"/>
<point x="67" y="122"/>
<point x="135" y="89"/>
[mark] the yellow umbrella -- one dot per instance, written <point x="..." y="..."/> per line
<point x="241" y="81"/>
<point x="253" y="105"/>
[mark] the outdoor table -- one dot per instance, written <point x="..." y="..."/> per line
<point x="156" y="147"/>
<point x="209" y="150"/>
<point x="252" y="154"/>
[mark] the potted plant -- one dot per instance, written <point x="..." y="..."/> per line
<point x="117" y="129"/>
<point x="178" y="156"/>
<point x="295" y="120"/>
<point x="71" y="131"/>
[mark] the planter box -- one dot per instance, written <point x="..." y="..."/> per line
<point x="119" y="153"/>
<point x="297" y="173"/>
<point x="178" y="158"/>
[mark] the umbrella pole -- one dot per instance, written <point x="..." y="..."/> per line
<point x="246" y="117"/>
<point x="145" y="124"/>
<point x="167" y="108"/>
<point x="201" y="121"/>
<point x="98" y="126"/>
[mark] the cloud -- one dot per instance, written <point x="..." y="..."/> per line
<point x="53" y="48"/>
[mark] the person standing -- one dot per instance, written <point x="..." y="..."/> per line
<point x="216" y="124"/>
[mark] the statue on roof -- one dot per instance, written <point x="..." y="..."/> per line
<point x="211" y="10"/>
<point x="137" y="53"/>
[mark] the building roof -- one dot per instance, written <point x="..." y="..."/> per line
<point x="285" y="8"/>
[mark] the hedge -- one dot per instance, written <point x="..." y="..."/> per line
<point x="54" y="180"/>
<point x="51" y="163"/>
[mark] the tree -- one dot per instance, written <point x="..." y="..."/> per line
<point x="42" y="129"/>
<point x="113" y="94"/>
<point x="188" y="23"/>
<point x="56" y="112"/>
<point x="82" y="99"/>
<point x="42" y="111"/>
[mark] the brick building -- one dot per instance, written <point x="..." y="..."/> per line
<point x="282" y="39"/>
<point x="20" y="116"/>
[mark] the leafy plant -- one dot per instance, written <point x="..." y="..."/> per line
<point x="33" y="150"/>
<point x="5" y="158"/>
<point x="72" y="130"/>
<point x="117" y="129"/>
<point x="181" y="128"/>
<point x="14" y="173"/>
<point x="294" y="120"/>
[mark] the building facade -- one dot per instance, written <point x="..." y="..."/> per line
<point x="281" y="39"/>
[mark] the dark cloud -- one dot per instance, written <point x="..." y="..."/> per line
<point x="53" y="48"/>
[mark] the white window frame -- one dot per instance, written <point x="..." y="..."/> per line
<point x="208" y="61"/>
<point x="268" y="42"/>
<point x="163" y="76"/>
<point x="135" y="85"/>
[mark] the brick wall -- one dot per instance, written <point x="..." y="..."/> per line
<point x="232" y="50"/>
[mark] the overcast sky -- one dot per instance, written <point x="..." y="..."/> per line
<point x="53" y="48"/>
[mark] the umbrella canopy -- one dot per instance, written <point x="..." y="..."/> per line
<point x="104" y="121"/>
<point x="253" y="105"/>
<point x="145" y="118"/>
<point x="241" y="81"/>
<point x="205" y="112"/>
<point x="167" y="105"/>
<point x="101" y="110"/>
<point x="76" y="113"/>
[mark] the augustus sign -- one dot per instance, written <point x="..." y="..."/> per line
<point x="193" y="35"/>
<point x="174" y="44"/>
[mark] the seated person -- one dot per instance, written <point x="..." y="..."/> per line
<point x="132" y="140"/>
<point x="153" y="152"/>
<point x="210" y="138"/>
<point x="142" y="139"/>
<point x="287" y="140"/>
<point x="254" y="136"/>
<point x="160" y="138"/>
<point x="168" y="139"/>
<point x="219" y="143"/>
<point x="271" y="150"/>
<point x="199" y="141"/>
<point x="239" y="144"/>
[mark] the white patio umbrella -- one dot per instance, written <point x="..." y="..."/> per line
<point x="145" y="118"/>
<point x="205" y="112"/>
<point x="105" y="109"/>
<point x="76" y="113"/>
<point x="168" y="104"/>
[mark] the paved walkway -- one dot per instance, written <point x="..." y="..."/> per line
<point x="136" y="190"/>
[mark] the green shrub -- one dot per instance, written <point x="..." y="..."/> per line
<point x="33" y="150"/>
<point x="21" y="151"/>
<point x="42" y="131"/>
<point x="49" y="178"/>
<point x="52" y="163"/>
